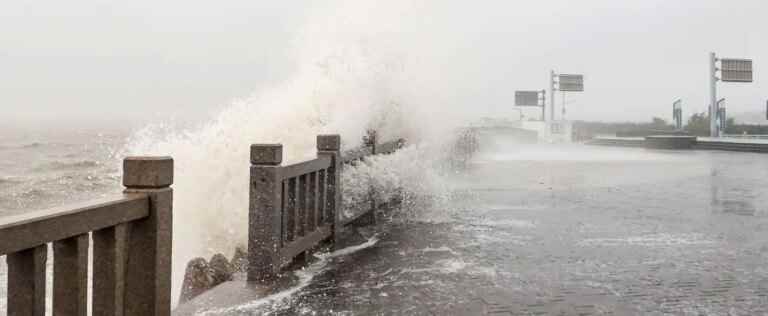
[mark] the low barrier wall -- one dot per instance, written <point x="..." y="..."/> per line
<point x="731" y="146"/>
<point x="617" y="142"/>
<point x="669" y="142"/>
<point x="684" y="142"/>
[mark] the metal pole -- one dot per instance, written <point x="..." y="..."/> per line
<point x="562" y="116"/>
<point x="520" y="113"/>
<point x="552" y="95"/>
<point x="721" y="117"/>
<point x="543" y="105"/>
<point x="677" y="113"/>
<point x="713" y="128"/>
<point x="674" y="113"/>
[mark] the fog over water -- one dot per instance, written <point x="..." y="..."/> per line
<point x="143" y="61"/>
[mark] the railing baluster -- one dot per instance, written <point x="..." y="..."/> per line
<point x="302" y="205"/>
<point x="312" y="201"/>
<point x="109" y="260"/>
<point x="322" y="197"/>
<point x="26" y="281"/>
<point x="70" y="276"/>
<point x="291" y="209"/>
<point x="301" y="216"/>
<point x="284" y="214"/>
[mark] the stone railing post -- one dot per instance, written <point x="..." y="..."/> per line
<point x="373" y="139"/>
<point x="264" y="214"/>
<point x="147" y="277"/>
<point x="330" y="146"/>
<point x="370" y="218"/>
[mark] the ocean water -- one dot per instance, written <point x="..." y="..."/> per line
<point x="41" y="169"/>
<point x="52" y="168"/>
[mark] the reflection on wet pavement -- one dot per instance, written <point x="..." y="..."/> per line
<point x="664" y="233"/>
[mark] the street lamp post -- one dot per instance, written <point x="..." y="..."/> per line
<point x="713" y="132"/>
<point x="543" y="105"/>
<point x="677" y="114"/>
<point x="721" y="116"/>
<point x="552" y="95"/>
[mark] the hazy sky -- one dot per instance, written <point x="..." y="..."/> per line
<point x="90" y="60"/>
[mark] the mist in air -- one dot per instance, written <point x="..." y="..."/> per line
<point x="143" y="61"/>
<point x="201" y="82"/>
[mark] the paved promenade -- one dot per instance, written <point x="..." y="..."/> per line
<point x="566" y="231"/>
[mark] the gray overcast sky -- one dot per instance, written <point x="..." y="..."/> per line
<point x="144" y="60"/>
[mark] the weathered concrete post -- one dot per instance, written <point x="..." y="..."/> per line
<point x="372" y="141"/>
<point x="264" y="216"/>
<point x="370" y="218"/>
<point x="148" y="268"/>
<point x="330" y="146"/>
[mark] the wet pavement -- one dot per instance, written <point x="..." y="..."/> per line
<point x="574" y="230"/>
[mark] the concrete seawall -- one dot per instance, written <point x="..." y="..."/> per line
<point x="684" y="143"/>
<point x="669" y="142"/>
<point x="617" y="141"/>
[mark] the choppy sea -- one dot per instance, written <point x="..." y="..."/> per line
<point x="44" y="169"/>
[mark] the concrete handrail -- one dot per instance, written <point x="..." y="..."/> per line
<point x="356" y="154"/>
<point x="131" y="249"/>
<point x="295" y="208"/>
<point x="371" y="147"/>
<point x="292" y="208"/>
<point x="388" y="147"/>
<point x="352" y="157"/>
<point x="747" y="136"/>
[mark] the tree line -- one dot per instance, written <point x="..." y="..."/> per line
<point x="697" y="124"/>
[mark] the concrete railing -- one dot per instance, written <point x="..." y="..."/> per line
<point x="353" y="157"/>
<point x="371" y="147"/>
<point x="295" y="208"/>
<point x="617" y="141"/>
<point x="131" y="236"/>
<point x="292" y="208"/>
<point x="726" y="145"/>
<point x="746" y="136"/>
<point x="684" y="142"/>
